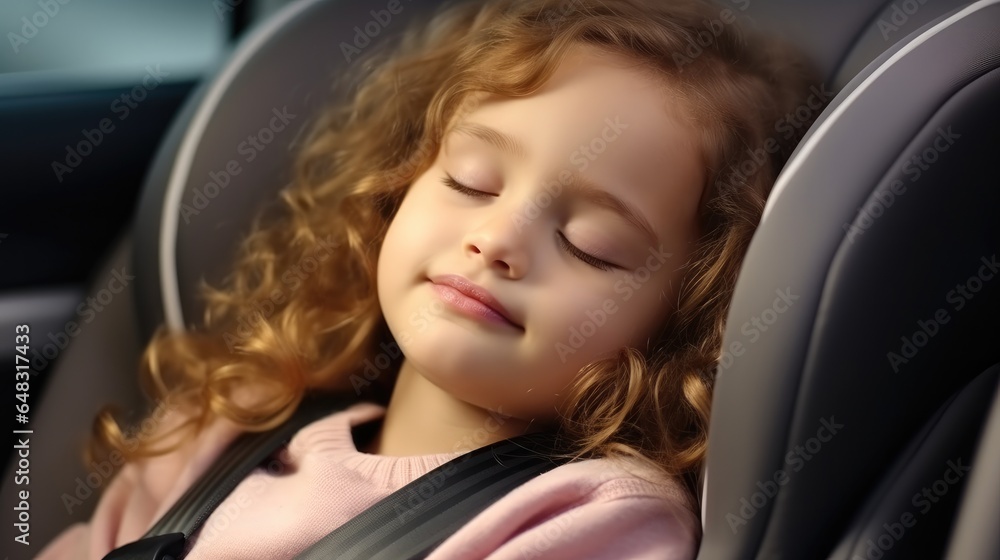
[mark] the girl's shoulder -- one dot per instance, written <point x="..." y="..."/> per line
<point x="612" y="479"/>
<point x="148" y="487"/>
<point x="622" y="483"/>
<point x="144" y="489"/>
<point x="594" y="508"/>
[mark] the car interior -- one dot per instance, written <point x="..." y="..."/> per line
<point x="856" y="412"/>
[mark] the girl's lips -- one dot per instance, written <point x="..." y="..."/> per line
<point x="471" y="299"/>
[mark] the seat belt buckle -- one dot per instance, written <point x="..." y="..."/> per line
<point x="160" y="547"/>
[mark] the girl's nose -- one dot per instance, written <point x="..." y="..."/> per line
<point x="500" y="245"/>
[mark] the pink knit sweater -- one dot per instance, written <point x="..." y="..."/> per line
<point x="587" y="509"/>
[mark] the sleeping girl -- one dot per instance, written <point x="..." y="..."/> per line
<point x="534" y="213"/>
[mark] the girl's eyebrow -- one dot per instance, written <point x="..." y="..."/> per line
<point x="576" y="184"/>
<point x="593" y="193"/>
<point x="502" y="141"/>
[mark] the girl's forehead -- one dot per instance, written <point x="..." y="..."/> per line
<point x="609" y="125"/>
<point x="601" y="115"/>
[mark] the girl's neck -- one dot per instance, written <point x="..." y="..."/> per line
<point x="423" y="419"/>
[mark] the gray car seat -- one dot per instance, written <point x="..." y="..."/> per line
<point x="204" y="187"/>
<point x="849" y="408"/>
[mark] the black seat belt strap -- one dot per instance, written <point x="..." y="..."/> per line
<point x="412" y="521"/>
<point x="168" y="537"/>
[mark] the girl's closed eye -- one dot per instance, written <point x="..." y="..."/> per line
<point x="561" y="238"/>
<point x="593" y="261"/>
<point x="453" y="184"/>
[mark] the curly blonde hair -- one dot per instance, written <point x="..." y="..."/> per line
<point x="322" y="323"/>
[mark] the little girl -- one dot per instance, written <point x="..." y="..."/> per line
<point x="536" y="211"/>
